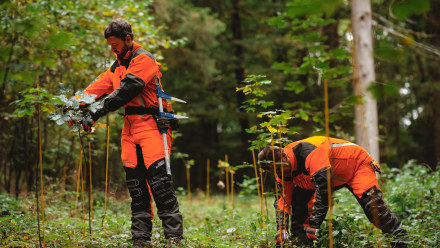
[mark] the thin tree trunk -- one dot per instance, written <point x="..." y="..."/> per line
<point x="8" y="65"/>
<point x="10" y="162"/>
<point x="437" y="133"/>
<point x="239" y="69"/>
<point x="434" y="28"/>
<point x="17" y="182"/>
<point x="32" y="157"/>
<point x="366" y="122"/>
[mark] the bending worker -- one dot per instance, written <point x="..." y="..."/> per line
<point x="130" y="82"/>
<point x="305" y="169"/>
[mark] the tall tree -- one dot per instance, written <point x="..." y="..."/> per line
<point x="366" y="124"/>
<point x="239" y="68"/>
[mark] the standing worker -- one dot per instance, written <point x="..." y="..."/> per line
<point x="306" y="175"/>
<point x="131" y="82"/>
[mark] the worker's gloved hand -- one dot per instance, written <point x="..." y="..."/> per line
<point x="163" y="124"/>
<point x="87" y="126"/>
<point x="174" y="123"/>
<point x="282" y="236"/>
<point x="312" y="233"/>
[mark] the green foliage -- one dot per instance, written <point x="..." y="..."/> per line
<point x="213" y="225"/>
<point x="248" y="186"/>
<point x="273" y="123"/>
<point x="254" y="86"/>
<point x="404" y="9"/>
<point x="76" y="110"/>
<point x="321" y="58"/>
<point x="33" y="97"/>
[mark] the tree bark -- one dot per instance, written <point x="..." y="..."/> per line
<point x="239" y="69"/>
<point x="434" y="27"/>
<point x="366" y="123"/>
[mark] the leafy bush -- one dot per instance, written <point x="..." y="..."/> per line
<point x="413" y="195"/>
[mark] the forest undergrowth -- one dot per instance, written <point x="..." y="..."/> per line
<point x="413" y="195"/>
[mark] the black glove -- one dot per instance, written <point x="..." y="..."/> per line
<point x="100" y="112"/>
<point x="174" y="123"/>
<point x="312" y="233"/>
<point x="163" y="124"/>
<point x="87" y="126"/>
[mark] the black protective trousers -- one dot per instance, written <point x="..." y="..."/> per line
<point x="371" y="202"/>
<point x="163" y="193"/>
<point x="299" y="213"/>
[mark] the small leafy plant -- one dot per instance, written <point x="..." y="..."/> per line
<point x="76" y="110"/>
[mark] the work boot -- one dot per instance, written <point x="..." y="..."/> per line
<point x="400" y="239"/>
<point x="174" y="242"/>
<point x="141" y="243"/>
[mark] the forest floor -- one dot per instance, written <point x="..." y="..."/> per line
<point x="413" y="195"/>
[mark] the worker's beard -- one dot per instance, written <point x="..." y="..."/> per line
<point x="124" y="51"/>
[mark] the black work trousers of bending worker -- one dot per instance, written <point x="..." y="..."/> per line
<point x="163" y="193"/>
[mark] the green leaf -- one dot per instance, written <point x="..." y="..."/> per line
<point x="295" y="86"/>
<point x="87" y="99"/>
<point x="4" y="53"/>
<point x="305" y="8"/>
<point x="277" y="21"/>
<point x="388" y="51"/>
<point x="282" y="66"/>
<point x="61" y="41"/>
<point x="390" y="89"/>
<point x="303" y="115"/>
<point x="404" y="9"/>
<point x="25" y="76"/>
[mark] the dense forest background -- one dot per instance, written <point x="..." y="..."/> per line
<point x="207" y="50"/>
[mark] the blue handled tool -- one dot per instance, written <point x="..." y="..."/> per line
<point x="162" y="114"/>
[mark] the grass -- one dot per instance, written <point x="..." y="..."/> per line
<point x="412" y="195"/>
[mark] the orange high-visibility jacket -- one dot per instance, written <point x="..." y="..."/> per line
<point x="310" y="155"/>
<point x="130" y="82"/>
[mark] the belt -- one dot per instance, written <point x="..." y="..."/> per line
<point x="142" y="111"/>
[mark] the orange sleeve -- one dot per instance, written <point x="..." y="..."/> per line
<point x="102" y="85"/>
<point x="318" y="158"/>
<point x="143" y="67"/>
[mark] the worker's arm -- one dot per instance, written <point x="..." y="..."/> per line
<point x="320" y="207"/>
<point x="141" y="70"/>
<point x="318" y="164"/>
<point x="101" y="86"/>
<point x="284" y="201"/>
<point x="282" y="208"/>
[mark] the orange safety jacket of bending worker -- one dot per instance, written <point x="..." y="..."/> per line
<point x="310" y="158"/>
<point x="131" y="82"/>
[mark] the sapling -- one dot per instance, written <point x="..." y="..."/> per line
<point x="75" y="110"/>
<point x="225" y="165"/>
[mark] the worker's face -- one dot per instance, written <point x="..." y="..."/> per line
<point x="119" y="46"/>
<point x="284" y="167"/>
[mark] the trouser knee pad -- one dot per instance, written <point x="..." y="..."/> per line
<point x="136" y="180"/>
<point x="165" y="199"/>
<point x="378" y="212"/>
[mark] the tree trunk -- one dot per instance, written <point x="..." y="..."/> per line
<point x="239" y="69"/>
<point x="366" y="123"/>
<point x="433" y="28"/>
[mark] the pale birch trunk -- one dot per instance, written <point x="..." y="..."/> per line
<point x="366" y="124"/>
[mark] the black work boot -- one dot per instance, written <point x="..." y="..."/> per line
<point x="141" y="243"/>
<point x="174" y="242"/>
<point x="401" y="239"/>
